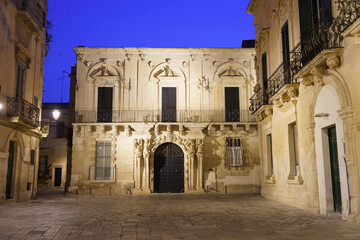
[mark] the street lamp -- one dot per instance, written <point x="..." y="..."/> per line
<point x="56" y="114"/>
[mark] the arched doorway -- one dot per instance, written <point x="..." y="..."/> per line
<point x="168" y="169"/>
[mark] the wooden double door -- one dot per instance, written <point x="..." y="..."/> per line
<point x="169" y="169"/>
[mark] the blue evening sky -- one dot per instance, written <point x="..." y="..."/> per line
<point x="138" y="23"/>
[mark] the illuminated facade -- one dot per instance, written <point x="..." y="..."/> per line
<point x="164" y="120"/>
<point x="306" y="101"/>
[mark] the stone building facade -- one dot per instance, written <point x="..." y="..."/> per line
<point x="22" y="53"/>
<point x="307" y="102"/>
<point x="164" y="120"/>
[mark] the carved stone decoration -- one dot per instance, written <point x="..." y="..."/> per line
<point x="230" y="72"/>
<point x="216" y="64"/>
<point x="246" y="64"/>
<point x="142" y="56"/>
<point x="104" y="60"/>
<point x="104" y="73"/>
<point x="318" y="73"/>
<point x="138" y="152"/>
<point x="346" y="113"/>
<point x="120" y="63"/>
<point x="128" y="56"/>
<point x="193" y="57"/>
<point x="293" y="93"/>
<point x="206" y="57"/>
<point x="281" y="11"/>
<point x="151" y="64"/>
<point x="357" y="38"/>
<point x="262" y="43"/>
<point x="127" y="131"/>
<point x="333" y="62"/>
<point x="307" y="81"/>
<point x="168" y="60"/>
<point x="185" y="64"/>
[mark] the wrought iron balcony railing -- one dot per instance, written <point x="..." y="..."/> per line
<point x="259" y="99"/>
<point x="102" y="173"/>
<point x="322" y="36"/>
<point x="22" y="109"/>
<point x="281" y="76"/>
<point x="45" y="125"/>
<point x="122" y="116"/>
<point x="349" y="12"/>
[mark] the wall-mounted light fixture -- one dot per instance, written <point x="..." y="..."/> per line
<point x="56" y="114"/>
<point x="1" y="106"/>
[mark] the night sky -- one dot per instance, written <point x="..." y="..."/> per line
<point x="138" y="23"/>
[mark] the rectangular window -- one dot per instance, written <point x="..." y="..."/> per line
<point x="105" y="104"/>
<point x="103" y="161"/>
<point x="264" y="71"/>
<point x="293" y="150"/>
<point x="20" y="76"/>
<point x="168" y="104"/>
<point x="232" y="106"/>
<point x="285" y="43"/>
<point x="32" y="156"/>
<point x="269" y="155"/>
<point x="234" y="153"/>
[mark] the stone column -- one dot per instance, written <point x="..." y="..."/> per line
<point x="199" y="155"/>
<point x="191" y="165"/>
<point x="138" y="155"/>
<point x="146" y="170"/>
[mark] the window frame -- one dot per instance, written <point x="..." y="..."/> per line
<point x="233" y="148"/>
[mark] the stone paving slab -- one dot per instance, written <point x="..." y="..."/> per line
<point x="167" y="216"/>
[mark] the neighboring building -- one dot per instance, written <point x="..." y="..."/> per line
<point x="53" y="149"/>
<point x="22" y="53"/>
<point x="307" y="102"/>
<point x="164" y="120"/>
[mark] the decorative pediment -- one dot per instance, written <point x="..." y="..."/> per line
<point x="166" y="71"/>
<point x="229" y="71"/>
<point x="104" y="72"/>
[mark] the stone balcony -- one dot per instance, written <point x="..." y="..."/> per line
<point x="31" y="14"/>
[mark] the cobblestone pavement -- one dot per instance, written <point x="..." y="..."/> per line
<point x="167" y="216"/>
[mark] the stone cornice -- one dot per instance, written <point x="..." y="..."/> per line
<point x="170" y="51"/>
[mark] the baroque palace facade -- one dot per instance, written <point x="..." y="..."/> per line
<point x="307" y="102"/>
<point x="22" y="54"/>
<point x="164" y="120"/>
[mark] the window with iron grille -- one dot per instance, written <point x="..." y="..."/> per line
<point x="103" y="161"/>
<point x="234" y="153"/>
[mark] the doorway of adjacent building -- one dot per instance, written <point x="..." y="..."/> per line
<point x="168" y="104"/>
<point x="232" y="106"/>
<point x="10" y="169"/>
<point x="334" y="164"/>
<point x="169" y="169"/>
<point x="57" y="179"/>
